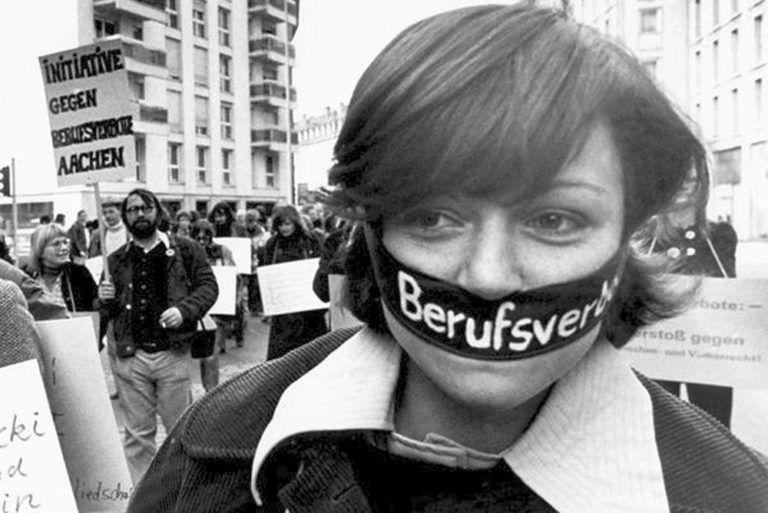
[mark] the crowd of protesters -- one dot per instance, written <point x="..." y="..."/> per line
<point x="160" y="286"/>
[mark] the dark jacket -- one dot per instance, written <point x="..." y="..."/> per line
<point x="205" y="463"/>
<point x="191" y="288"/>
<point x="77" y="235"/>
<point x="77" y="286"/>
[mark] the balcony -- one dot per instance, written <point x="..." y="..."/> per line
<point x="143" y="59"/>
<point x="274" y="10"/>
<point x="272" y="138"/>
<point x="153" y="10"/>
<point x="153" y="114"/>
<point x="270" y="94"/>
<point x="270" y="50"/>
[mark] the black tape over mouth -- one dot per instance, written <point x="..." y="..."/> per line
<point x="520" y="325"/>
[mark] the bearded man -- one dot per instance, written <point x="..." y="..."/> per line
<point x="160" y="288"/>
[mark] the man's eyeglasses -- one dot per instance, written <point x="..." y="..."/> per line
<point x="146" y="209"/>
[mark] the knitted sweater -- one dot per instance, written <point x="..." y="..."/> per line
<point x="205" y="463"/>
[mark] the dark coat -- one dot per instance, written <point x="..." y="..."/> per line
<point x="205" y="463"/>
<point x="191" y="288"/>
<point x="289" y="331"/>
<point x="76" y="234"/>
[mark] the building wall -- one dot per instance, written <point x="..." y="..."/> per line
<point x="719" y="47"/>
<point x="186" y="183"/>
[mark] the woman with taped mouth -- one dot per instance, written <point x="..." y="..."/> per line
<point x="497" y="160"/>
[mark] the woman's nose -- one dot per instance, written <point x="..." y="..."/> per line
<point x="491" y="267"/>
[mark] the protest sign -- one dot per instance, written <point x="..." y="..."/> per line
<point x="33" y="476"/>
<point x="91" y="112"/>
<point x="95" y="265"/>
<point x="341" y="316"/>
<point x="226" y="279"/>
<point x="241" y="251"/>
<point x="86" y="425"/>
<point x="287" y="287"/>
<point x="720" y="341"/>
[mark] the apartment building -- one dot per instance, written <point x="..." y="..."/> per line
<point x="728" y="60"/>
<point x="709" y="56"/>
<point x="317" y="135"/>
<point x="212" y="81"/>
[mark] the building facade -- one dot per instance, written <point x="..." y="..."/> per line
<point x="212" y="82"/>
<point x="317" y="136"/>
<point x="709" y="56"/>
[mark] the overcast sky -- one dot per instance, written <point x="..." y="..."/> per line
<point x="335" y="42"/>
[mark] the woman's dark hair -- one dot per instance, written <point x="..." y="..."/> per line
<point x="225" y="208"/>
<point x="287" y="213"/>
<point x="493" y="101"/>
<point x="202" y="226"/>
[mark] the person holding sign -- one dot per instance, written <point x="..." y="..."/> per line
<point x="159" y="290"/>
<point x="498" y="158"/>
<point x="697" y="246"/>
<point x="291" y="242"/>
<point x="202" y="232"/>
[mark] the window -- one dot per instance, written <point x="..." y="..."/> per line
<point x="201" y="66"/>
<point x="104" y="27"/>
<point x="224" y="27"/>
<point x="715" y="116"/>
<point x="735" y="50"/>
<point x="174" y="163"/>
<point x="141" y="158"/>
<point x="173" y="52"/>
<point x="270" y="170"/>
<point x="226" y="120"/>
<point x="697" y="68"/>
<point x="734" y="6"/>
<point x="172" y="13"/>
<point x="268" y="28"/>
<point x="225" y="70"/>
<point x="226" y="167"/>
<point x="715" y="12"/>
<point x="136" y="85"/>
<point x="650" y="67"/>
<point x="697" y="18"/>
<point x="201" y="159"/>
<point x="138" y="31"/>
<point x="758" y="26"/>
<point x="198" y="18"/>
<point x="734" y="111"/>
<point x="269" y="73"/>
<point x="758" y="102"/>
<point x="201" y="115"/>
<point x="649" y="21"/>
<point x="715" y="61"/>
<point x="175" y="120"/>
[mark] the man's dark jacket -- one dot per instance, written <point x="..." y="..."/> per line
<point x="205" y="463"/>
<point x="191" y="288"/>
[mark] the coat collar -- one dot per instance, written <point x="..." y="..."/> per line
<point x="591" y="446"/>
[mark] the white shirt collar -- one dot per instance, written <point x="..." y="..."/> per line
<point x="591" y="448"/>
<point x="161" y="237"/>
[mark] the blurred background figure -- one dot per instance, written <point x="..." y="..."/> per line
<point x="697" y="246"/>
<point x="217" y="255"/>
<point x="60" y="219"/>
<point x="115" y="232"/>
<point x="80" y="238"/>
<point x="182" y="224"/>
<point x="291" y="242"/>
<point x="259" y="236"/>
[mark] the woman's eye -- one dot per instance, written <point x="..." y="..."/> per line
<point x="557" y="224"/>
<point x="427" y="220"/>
